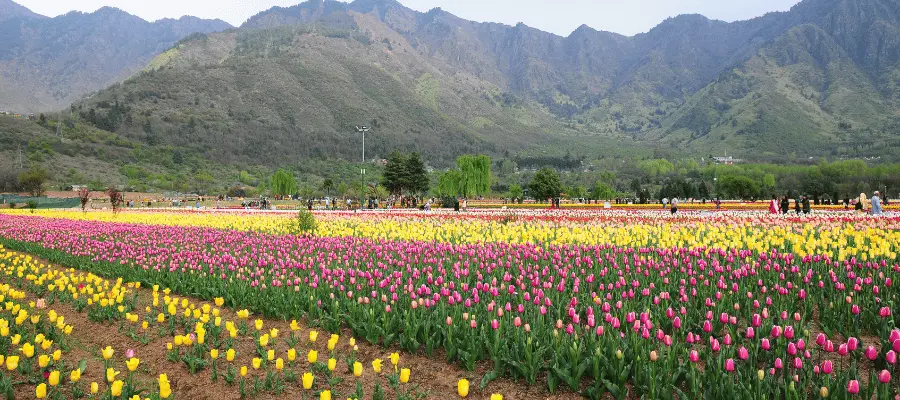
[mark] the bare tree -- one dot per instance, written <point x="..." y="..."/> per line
<point x="116" y="199"/>
<point x="84" y="195"/>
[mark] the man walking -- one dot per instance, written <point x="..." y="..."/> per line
<point x="876" y="203"/>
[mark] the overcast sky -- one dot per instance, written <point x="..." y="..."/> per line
<point x="558" y="16"/>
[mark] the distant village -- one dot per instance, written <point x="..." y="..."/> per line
<point x="30" y="116"/>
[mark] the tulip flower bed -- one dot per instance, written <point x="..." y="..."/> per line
<point x="171" y="344"/>
<point x="714" y="308"/>
<point x="840" y="236"/>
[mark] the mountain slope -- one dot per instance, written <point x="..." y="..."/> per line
<point x="801" y="93"/>
<point x="46" y="63"/>
<point x="10" y="9"/>
<point x="821" y="79"/>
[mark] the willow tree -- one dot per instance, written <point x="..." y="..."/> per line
<point x="473" y="174"/>
<point x="283" y="183"/>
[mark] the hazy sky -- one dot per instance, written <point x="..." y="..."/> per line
<point x="558" y="16"/>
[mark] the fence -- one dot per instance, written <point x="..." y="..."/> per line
<point x="42" y="202"/>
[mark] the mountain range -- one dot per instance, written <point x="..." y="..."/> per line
<point x="822" y="79"/>
<point x="47" y="63"/>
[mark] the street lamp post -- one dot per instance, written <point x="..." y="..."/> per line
<point x="362" y="170"/>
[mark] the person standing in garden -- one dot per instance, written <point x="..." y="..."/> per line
<point x="785" y="205"/>
<point x="806" y="207"/>
<point x="797" y="203"/>
<point x="860" y="206"/>
<point x="876" y="203"/>
<point x="774" y="205"/>
<point x="674" y="205"/>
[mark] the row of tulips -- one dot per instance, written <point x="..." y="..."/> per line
<point x="653" y="321"/>
<point x="206" y="336"/>
<point x="839" y="237"/>
<point x="36" y="344"/>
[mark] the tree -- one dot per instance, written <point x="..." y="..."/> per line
<point x="327" y="186"/>
<point x="83" y="196"/>
<point x="702" y="191"/>
<point x="416" y="173"/>
<point x="577" y="192"/>
<point x="545" y="184"/>
<point x="395" y="176"/>
<point x="283" y="183"/>
<point x="405" y="172"/>
<point x="116" y="199"/>
<point x="739" y="187"/>
<point x="602" y="191"/>
<point x="515" y="191"/>
<point x="34" y="180"/>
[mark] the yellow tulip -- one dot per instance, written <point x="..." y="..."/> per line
<point x="404" y="375"/>
<point x="273" y="333"/>
<point x="53" y="379"/>
<point x="258" y="324"/>
<point x="395" y="358"/>
<point x="462" y="388"/>
<point x="41" y="391"/>
<point x="270" y="355"/>
<point x="132" y="363"/>
<point x="279" y="363"/>
<point x="257" y="362"/>
<point x="107" y="353"/>
<point x="292" y="354"/>
<point x="313" y="335"/>
<point x="325" y="395"/>
<point x="27" y="350"/>
<point x="243" y="370"/>
<point x="57" y="355"/>
<point x="357" y="369"/>
<point x="229" y="355"/>
<point x="111" y="374"/>
<point x="214" y="354"/>
<point x="376" y="365"/>
<point x="264" y="340"/>
<point x="75" y="375"/>
<point x="43" y="360"/>
<point x="116" y="388"/>
<point x="219" y="301"/>
<point x="165" y="388"/>
<point x="332" y="364"/>
<point x="95" y="387"/>
<point x="312" y="356"/>
<point x="308" y="380"/>
<point x="496" y="396"/>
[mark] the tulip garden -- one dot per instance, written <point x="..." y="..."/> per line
<point x="409" y="305"/>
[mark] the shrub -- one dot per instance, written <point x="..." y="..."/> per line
<point x="305" y="224"/>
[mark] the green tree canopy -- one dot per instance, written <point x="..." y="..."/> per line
<point x="545" y="184"/>
<point x="405" y="173"/>
<point x="34" y="180"/>
<point x="602" y="191"/>
<point x="283" y="183"/>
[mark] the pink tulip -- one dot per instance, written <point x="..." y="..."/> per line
<point x="729" y="365"/>
<point x="871" y="353"/>
<point x="778" y="363"/>
<point x="694" y="356"/>
<point x="827" y="367"/>
<point x="853" y="386"/>
<point x="884" y="376"/>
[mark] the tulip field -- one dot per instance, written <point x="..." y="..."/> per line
<point x="410" y="305"/>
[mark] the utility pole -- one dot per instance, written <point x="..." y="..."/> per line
<point x="362" y="170"/>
